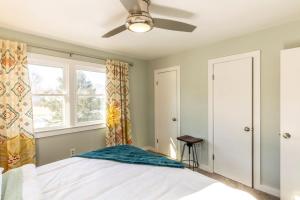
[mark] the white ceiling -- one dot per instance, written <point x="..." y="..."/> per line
<point x="83" y="22"/>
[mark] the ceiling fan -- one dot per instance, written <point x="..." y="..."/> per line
<point x="140" y="20"/>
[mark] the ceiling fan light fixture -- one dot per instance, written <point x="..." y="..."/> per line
<point x="139" y="27"/>
<point x="139" y="23"/>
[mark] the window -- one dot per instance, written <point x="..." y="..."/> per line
<point x="90" y="96"/>
<point x="67" y="95"/>
<point x="48" y="96"/>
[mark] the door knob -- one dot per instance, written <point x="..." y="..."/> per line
<point x="247" y="129"/>
<point x="286" y="136"/>
<point x="174" y="119"/>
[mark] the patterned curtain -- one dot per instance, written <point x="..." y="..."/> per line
<point x="117" y="109"/>
<point x="17" y="145"/>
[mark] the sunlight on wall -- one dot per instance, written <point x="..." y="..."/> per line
<point x="173" y="152"/>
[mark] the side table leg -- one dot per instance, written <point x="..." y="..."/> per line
<point x="182" y="153"/>
<point x="189" y="156"/>
<point x="197" y="162"/>
<point x="194" y="162"/>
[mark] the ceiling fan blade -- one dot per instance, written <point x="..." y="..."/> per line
<point x="115" y="31"/>
<point x="171" y="12"/>
<point x="131" y="5"/>
<point x="173" y="25"/>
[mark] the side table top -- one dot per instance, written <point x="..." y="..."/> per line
<point x="189" y="139"/>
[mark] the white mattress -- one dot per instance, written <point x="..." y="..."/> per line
<point x="91" y="179"/>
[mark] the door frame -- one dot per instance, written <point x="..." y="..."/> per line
<point x="255" y="55"/>
<point x="156" y="72"/>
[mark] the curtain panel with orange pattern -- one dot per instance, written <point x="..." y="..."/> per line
<point x="117" y="104"/>
<point x="17" y="144"/>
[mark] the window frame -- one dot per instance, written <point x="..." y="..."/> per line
<point x="82" y="66"/>
<point x="64" y="94"/>
<point x="70" y="66"/>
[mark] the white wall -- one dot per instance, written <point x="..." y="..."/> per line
<point x="194" y="89"/>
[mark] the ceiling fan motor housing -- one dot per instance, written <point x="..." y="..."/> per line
<point x="144" y="5"/>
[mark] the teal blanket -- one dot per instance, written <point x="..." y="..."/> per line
<point x="132" y="155"/>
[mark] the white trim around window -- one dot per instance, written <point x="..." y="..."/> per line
<point x="64" y="130"/>
<point x="91" y="68"/>
<point x="69" y="67"/>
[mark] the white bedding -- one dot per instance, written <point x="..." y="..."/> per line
<point x="20" y="183"/>
<point x="91" y="179"/>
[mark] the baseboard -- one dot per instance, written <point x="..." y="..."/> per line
<point x="268" y="190"/>
<point x="201" y="166"/>
<point x="205" y="168"/>
<point x="148" y="148"/>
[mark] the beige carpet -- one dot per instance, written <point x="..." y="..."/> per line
<point x="257" y="194"/>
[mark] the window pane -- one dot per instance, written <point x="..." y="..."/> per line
<point x="90" y="83"/>
<point x="48" y="111"/>
<point x="46" y="80"/>
<point x="90" y="109"/>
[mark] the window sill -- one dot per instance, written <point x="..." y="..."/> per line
<point x="62" y="131"/>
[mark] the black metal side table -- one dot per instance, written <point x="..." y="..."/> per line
<point x="190" y="142"/>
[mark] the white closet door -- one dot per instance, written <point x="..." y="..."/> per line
<point x="166" y="111"/>
<point x="290" y="125"/>
<point x="233" y="120"/>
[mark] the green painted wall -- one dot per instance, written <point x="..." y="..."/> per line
<point x="194" y="88"/>
<point x="54" y="148"/>
<point x="194" y="93"/>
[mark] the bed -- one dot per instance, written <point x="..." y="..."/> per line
<point x="88" y="177"/>
<point x="80" y="178"/>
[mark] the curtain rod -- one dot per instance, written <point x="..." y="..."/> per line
<point x="75" y="53"/>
